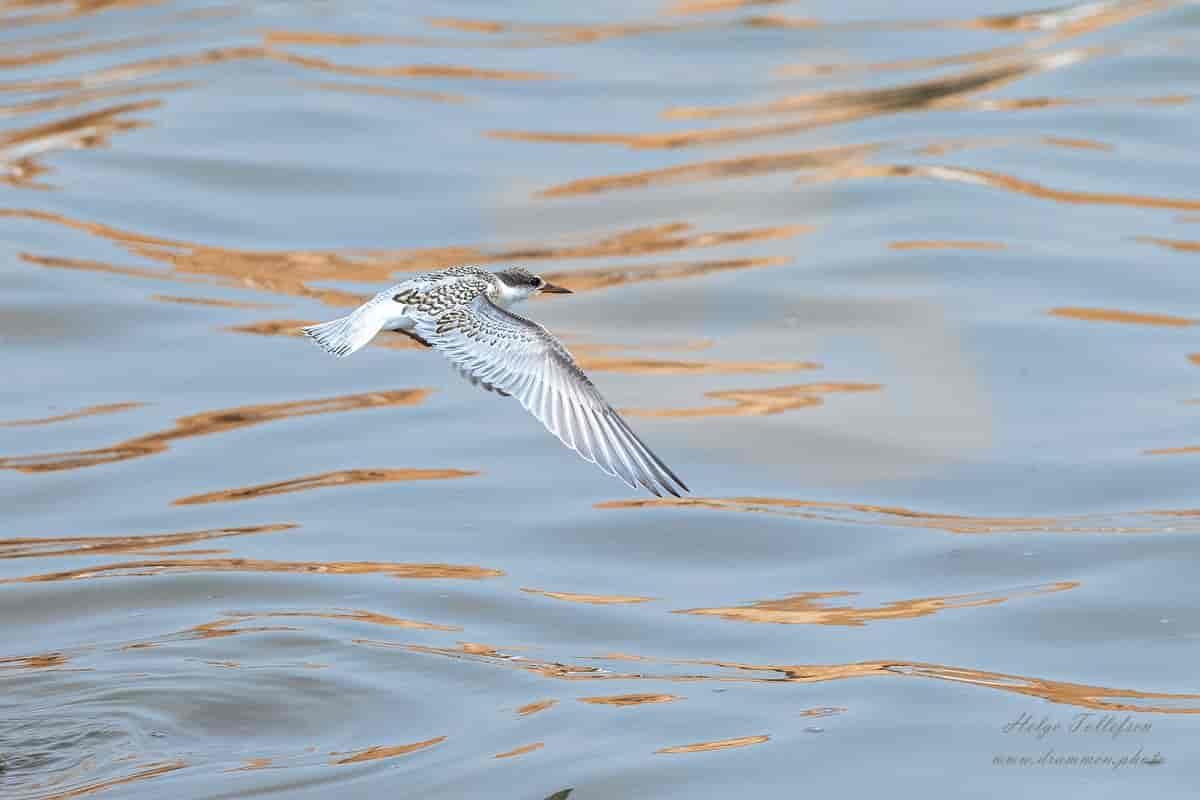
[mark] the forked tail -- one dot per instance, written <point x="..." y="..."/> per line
<point x="344" y="335"/>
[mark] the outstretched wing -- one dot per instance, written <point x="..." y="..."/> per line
<point x="510" y="354"/>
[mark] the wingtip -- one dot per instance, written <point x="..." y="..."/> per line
<point x="671" y="473"/>
<point x="650" y="487"/>
<point x="657" y="473"/>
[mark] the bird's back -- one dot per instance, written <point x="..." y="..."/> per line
<point x="433" y="293"/>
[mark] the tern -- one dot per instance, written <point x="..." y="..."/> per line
<point x="462" y="312"/>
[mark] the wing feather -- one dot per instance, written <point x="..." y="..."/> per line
<point x="505" y="353"/>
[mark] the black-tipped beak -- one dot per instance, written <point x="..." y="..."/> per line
<point x="550" y="288"/>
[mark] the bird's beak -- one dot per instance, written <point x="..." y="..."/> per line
<point x="550" y="288"/>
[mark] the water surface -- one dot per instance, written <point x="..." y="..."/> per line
<point x="904" y="293"/>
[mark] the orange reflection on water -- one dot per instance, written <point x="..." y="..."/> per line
<point x="527" y="35"/>
<point x="216" y="629"/>
<point x="1077" y="144"/>
<point x="720" y="671"/>
<point x="866" y="514"/>
<point x="289" y="272"/>
<point x="209" y="301"/>
<point x="210" y="422"/>
<point x="808" y="70"/>
<point x="1166" y="100"/>
<point x="151" y="770"/>
<point x="253" y="565"/>
<point x="1121" y="317"/>
<point x="41" y="661"/>
<point x="52" y="546"/>
<point x="945" y="245"/>
<point x="1172" y="451"/>
<point x="322" y="481"/>
<point x="350" y="615"/>
<point x="520" y="751"/>
<point x="820" y="109"/>
<point x="73" y="99"/>
<point x="44" y="57"/>
<point x="1071" y="20"/>
<point x="20" y="149"/>
<point x="471" y="25"/>
<point x="782" y="22"/>
<point x="811" y="608"/>
<point x="710" y="6"/>
<point x="328" y="39"/>
<point x="720" y="169"/>
<point x="95" y="84"/>
<point x="455" y="71"/>
<point x="1182" y="246"/>
<point x="759" y="402"/>
<point x="667" y="141"/>
<point x="584" y="280"/>
<point x="823" y="711"/>
<point x="847" y="105"/>
<point x="69" y="9"/>
<point x="467" y="651"/>
<point x="391" y="751"/>
<point x="560" y="34"/>
<point x="1009" y="183"/>
<point x="720" y="744"/>
<point x="533" y="708"/>
<point x="668" y="237"/>
<point x="90" y="265"/>
<point x="1023" y="103"/>
<point x="948" y="146"/>
<point x="592" y="599"/>
<point x="389" y="91"/>
<point x="645" y="366"/>
<point x="135" y="70"/>
<point x="630" y="699"/>
<point x="107" y="408"/>
<point x="1058" y="24"/>
<point x="1077" y="694"/>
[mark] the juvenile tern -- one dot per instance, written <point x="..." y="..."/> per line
<point x="462" y="312"/>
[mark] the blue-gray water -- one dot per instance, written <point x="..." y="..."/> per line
<point x="905" y="292"/>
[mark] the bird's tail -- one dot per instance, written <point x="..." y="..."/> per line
<point x="344" y="335"/>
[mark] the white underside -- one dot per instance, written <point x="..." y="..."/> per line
<point x="400" y="324"/>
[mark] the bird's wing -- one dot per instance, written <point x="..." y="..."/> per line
<point x="504" y="352"/>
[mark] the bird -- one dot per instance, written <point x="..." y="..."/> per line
<point x="463" y="313"/>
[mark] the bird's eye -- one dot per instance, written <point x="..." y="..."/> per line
<point x="539" y="283"/>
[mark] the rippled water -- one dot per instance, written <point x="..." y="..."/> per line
<point x="905" y="292"/>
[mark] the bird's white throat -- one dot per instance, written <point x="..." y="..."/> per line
<point x="506" y="296"/>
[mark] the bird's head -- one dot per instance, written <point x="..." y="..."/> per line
<point x="517" y="284"/>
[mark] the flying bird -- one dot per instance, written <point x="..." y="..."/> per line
<point x="462" y="312"/>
